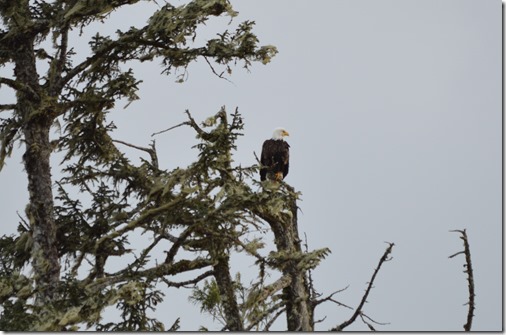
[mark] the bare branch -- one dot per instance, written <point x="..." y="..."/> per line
<point x="455" y="254"/>
<point x="218" y="75"/>
<point x="186" y="123"/>
<point x="195" y="126"/>
<point x="145" y="252"/>
<point x="23" y="222"/>
<point x="358" y="311"/>
<point x="470" y="278"/>
<point x="330" y="298"/>
<point x="188" y="282"/>
<point x="367" y="323"/>
<point x="133" y="146"/>
<point x="320" y="320"/>
<point x="151" y="152"/>
<point x="269" y="324"/>
<point x="256" y="157"/>
<point x="312" y="290"/>
<point x="190" y="123"/>
<point x="362" y="315"/>
<point x="339" y="303"/>
<point x="315" y="302"/>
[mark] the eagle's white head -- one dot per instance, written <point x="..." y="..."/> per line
<point x="279" y="133"/>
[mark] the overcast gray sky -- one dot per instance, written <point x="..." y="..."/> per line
<point x="394" y="111"/>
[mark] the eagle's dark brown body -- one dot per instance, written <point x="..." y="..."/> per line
<point x="275" y="158"/>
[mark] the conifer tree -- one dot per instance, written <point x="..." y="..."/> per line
<point x="56" y="273"/>
<point x="77" y="96"/>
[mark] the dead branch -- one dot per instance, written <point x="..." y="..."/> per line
<point x="216" y="73"/>
<point x="358" y="311"/>
<point x="23" y="222"/>
<point x="470" y="277"/>
<point x="320" y="320"/>
<point x="256" y="157"/>
<point x="330" y="298"/>
<point x="186" y="123"/>
<point x="190" y="123"/>
<point x="367" y="323"/>
<point x="315" y="302"/>
<point x="312" y="290"/>
<point x="271" y="321"/>
<point x="364" y="316"/>
<point x="151" y="152"/>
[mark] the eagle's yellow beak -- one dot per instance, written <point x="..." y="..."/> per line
<point x="285" y="133"/>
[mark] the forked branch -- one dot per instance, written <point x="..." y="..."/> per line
<point x="470" y="278"/>
<point x="358" y="311"/>
<point x="150" y="151"/>
<point x="191" y="122"/>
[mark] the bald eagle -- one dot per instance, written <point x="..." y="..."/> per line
<point x="275" y="156"/>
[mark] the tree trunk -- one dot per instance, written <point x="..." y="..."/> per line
<point x="296" y="295"/>
<point x="226" y="287"/>
<point x="298" y="310"/>
<point x="36" y="126"/>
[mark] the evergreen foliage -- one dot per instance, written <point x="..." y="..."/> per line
<point x="57" y="273"/>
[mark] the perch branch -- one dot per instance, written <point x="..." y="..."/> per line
<point x="470" y="278"/>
